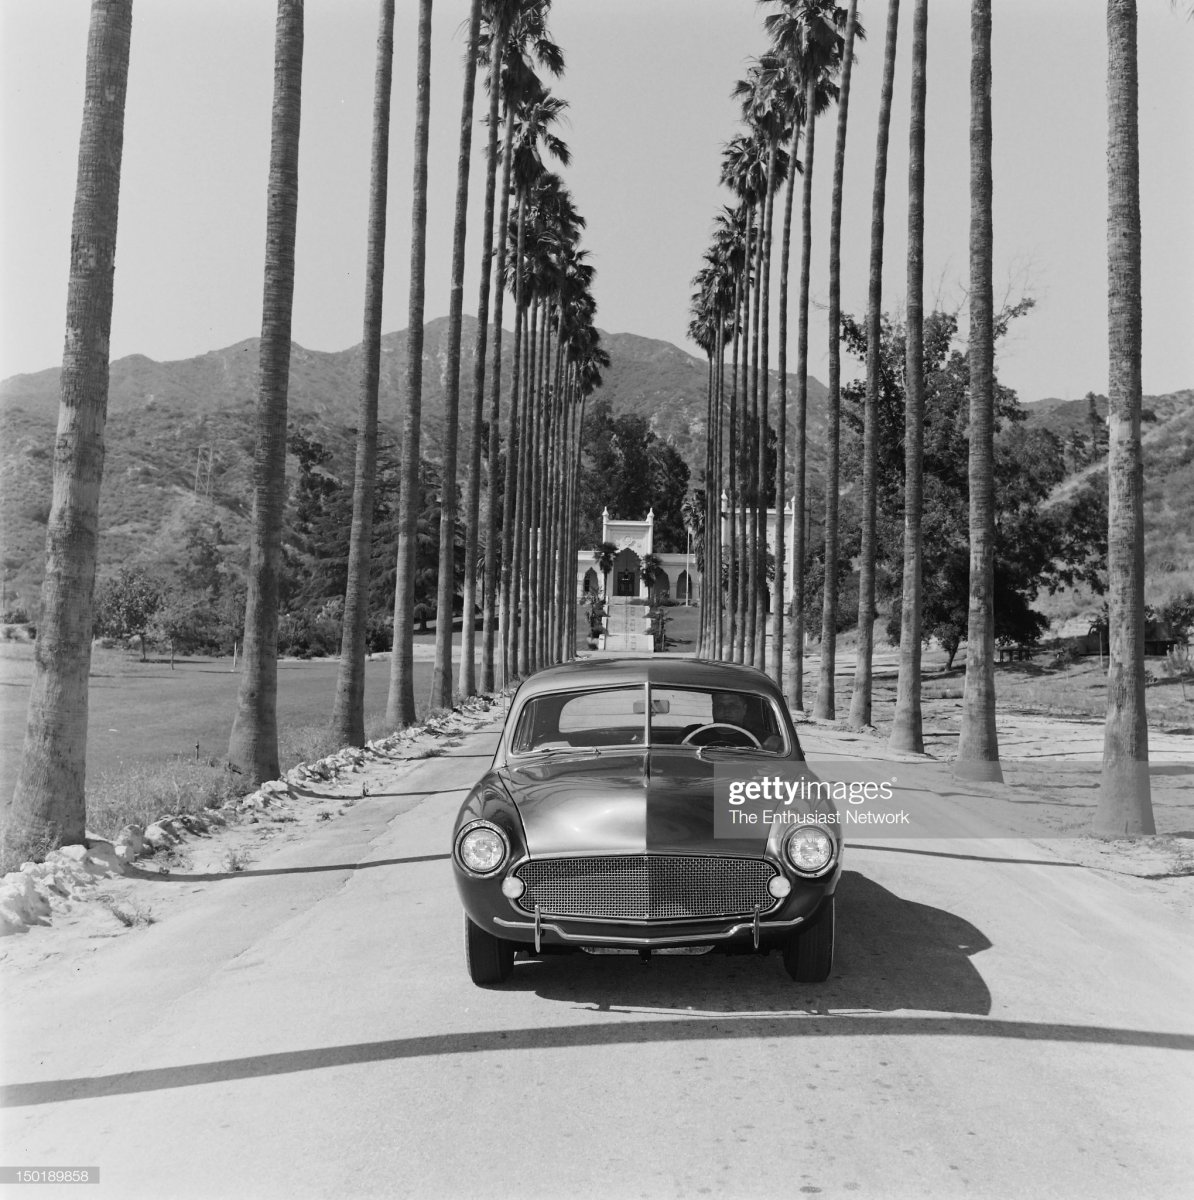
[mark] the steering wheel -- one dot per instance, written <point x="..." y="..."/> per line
<point x="720" y="733"/>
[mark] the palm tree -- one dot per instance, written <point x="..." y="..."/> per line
<point x="744" y="171"/>
<point x="906" y="732"/>
<point x="348" y="711"/>
<point x="531" y="135"/>
<point x="47" y="809"/>
<point x="860" y="699"/>
<point x="400" y="704"/>
<point x="808" y="33"/>
<point x="1125" y="799"/>
<point x="467" y="681"/>
<point x="253" y="744"/>
<point x="978" y="745"/>
<point x="441" y="672"/>
<point x="824" y="707"/>
<point x="521" y="28"/>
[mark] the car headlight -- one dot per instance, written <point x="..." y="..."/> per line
<point x="809" y="849"/>
<point x="482" y="848"/>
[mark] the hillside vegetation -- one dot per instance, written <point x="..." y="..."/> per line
<point x="163" y="417"/>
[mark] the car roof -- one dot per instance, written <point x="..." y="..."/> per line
<point x="622" y="672"/>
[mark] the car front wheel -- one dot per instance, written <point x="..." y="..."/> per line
<point x="490" y="959"/>
<point x="808" y="953"/>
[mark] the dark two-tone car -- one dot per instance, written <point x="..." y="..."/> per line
<point x="594" y="828"/>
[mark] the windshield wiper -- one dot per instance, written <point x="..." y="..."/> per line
<point x="594" y="750"/>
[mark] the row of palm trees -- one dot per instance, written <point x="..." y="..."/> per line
<point x="557" y="356"/>
<point x="531" y="232"/>
<point x="805" y="70"/>
<point x="518" y="552"/>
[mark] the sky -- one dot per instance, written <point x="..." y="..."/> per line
<point x="648" y="84"/>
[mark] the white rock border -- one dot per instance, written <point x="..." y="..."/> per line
<point x="28" y="896"/>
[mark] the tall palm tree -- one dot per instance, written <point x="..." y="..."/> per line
<point x="906" y="730"/>
<point x="532" y="135"/>
<point x="860" y="699"/>
<point x="521" y="28"/>
<point x="467" y="681"/>
<point x="744" y="171"/>
<point x="1125" y="798"/>
<point x="978" y="745"/>
<point x="253" y="743"/>
<point x="400" y="704"/>
<point x="441" y="672"/>
<point x="809" y="33"/>
<point x="768" y="104"/>
<point x="348" y="711"/>
<point x="47" y="808"/>
<point x="824" y="707"/>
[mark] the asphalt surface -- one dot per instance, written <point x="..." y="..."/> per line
<point x="999" y="1023"/>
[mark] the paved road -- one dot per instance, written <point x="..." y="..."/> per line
<point x="993" y="1028"/>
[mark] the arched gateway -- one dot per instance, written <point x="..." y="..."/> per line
<point x="624" y="590"/>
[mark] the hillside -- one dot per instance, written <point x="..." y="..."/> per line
<point x="160" y="415"/>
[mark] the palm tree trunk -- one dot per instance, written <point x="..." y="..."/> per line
<point x="731" y="589"/>
<point x="745" y="448"/>
<point x="441" y="672"/>
<point x="509" y="598"/>
<point x="253" y="743"/>
<point x="495" y="560"/>
<point x="796" y="650"/>
<point x="348" y="709"/>
<point x="826" y="703"/>
<point x="522" y="518"/>
<point x="467" y="680"/>
<point x="761" y="592"/>
<point x="750" y="596"/>
<point x="719" y="626"/>
<point x="47" y="809"/>
<point x="978" y="745"/>
<point x="400" y="706"/>
<point x="781" y="436"/>
<point x="860" y="700"/>
<point x="1125" y="798"/>
<point x="906" y="730"/>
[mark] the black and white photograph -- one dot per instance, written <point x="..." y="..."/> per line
<point x="597" y="599"/>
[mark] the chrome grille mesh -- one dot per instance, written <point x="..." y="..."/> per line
<point x="640" y="887"/>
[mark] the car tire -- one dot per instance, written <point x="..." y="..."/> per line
<point x="808" y="953"/>
<point x="489" y="959"/>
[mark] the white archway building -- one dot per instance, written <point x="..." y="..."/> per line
<point x="626" y="593"/>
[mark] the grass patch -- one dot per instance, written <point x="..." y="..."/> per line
<point x="140" y="793"/>
<point x="304" y="743"/>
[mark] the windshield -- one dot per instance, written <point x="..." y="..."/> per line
<point x="596" y="719"/>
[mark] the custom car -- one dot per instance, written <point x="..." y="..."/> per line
<point x="596" y="827"/>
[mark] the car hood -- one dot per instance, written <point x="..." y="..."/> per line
<point x="656" y="801"/>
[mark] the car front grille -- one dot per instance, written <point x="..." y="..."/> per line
<point x="644" y="887"/>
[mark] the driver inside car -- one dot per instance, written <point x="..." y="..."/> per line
<point x="731" y="708"/>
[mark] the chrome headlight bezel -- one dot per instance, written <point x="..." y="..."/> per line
<point x="824" y="838"/>
<point x="474" y="827"/>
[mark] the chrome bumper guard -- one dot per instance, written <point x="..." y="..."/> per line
<point x="754" y="925"/>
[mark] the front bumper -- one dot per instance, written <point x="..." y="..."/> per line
<point x="488" y="908"/>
